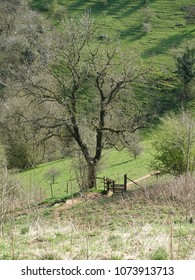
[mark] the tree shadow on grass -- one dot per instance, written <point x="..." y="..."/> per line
<point x="133" y="33"/>
<point x="133" y="8"/>
<point x="168" y="43"/>
<point x="96" y="7"/>
<point x="121" y="8"/>
<point x="121" y="163"/>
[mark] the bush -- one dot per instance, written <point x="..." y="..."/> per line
<point x="175" y="145"/>
<point x="17" y="156"/>
<point x="185" y="63"/>
<point x="147" y="27"/>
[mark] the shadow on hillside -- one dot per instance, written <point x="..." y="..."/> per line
<point x="121" y="8"/>
<point x="170" y="42"/>
<point x="133" y="9"/>
<point x="121" y="163"/>
<point x="134" y="33"/>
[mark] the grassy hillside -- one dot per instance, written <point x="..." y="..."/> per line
<point x="153" y="28"/>
<point x="114" y="165"/>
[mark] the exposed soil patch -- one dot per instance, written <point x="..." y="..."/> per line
<point x="74" y="201"/>
<point x="88" y="196"/>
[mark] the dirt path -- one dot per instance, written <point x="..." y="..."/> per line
<point x="140" y="179"/>
<point x="89" y="196"/>
<point x="83" y="198"/>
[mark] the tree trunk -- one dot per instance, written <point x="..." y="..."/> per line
<point x="91" y="174"/>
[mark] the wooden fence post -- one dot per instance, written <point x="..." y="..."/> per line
<point x="125" y="182"/>
<point x="104" y="183"/>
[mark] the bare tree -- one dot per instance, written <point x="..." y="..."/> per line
<point x="89" y="83"/>
<point x="52" y="175"/>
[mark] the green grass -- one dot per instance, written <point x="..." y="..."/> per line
<point x="37" y="177"/>
<point x="114" y="164"/>
<point x="119" y="163"/>
<point x="124" y="19"/>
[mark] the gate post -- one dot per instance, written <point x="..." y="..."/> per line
<point x="105" y="187"/>
<point x="125" y="182"/>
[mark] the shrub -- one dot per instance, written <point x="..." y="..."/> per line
<point x="175" y="145"/>
<point x="17" y="156"/>
<point x="185" y="63"/>
<point x="147" y="27"/>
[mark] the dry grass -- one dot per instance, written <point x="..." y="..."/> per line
<point x="151" y="223"/>
<point x="178" y="192"/>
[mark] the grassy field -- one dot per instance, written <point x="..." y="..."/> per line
<point x="155" y="29"/>
<point x="113" y="165"/>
